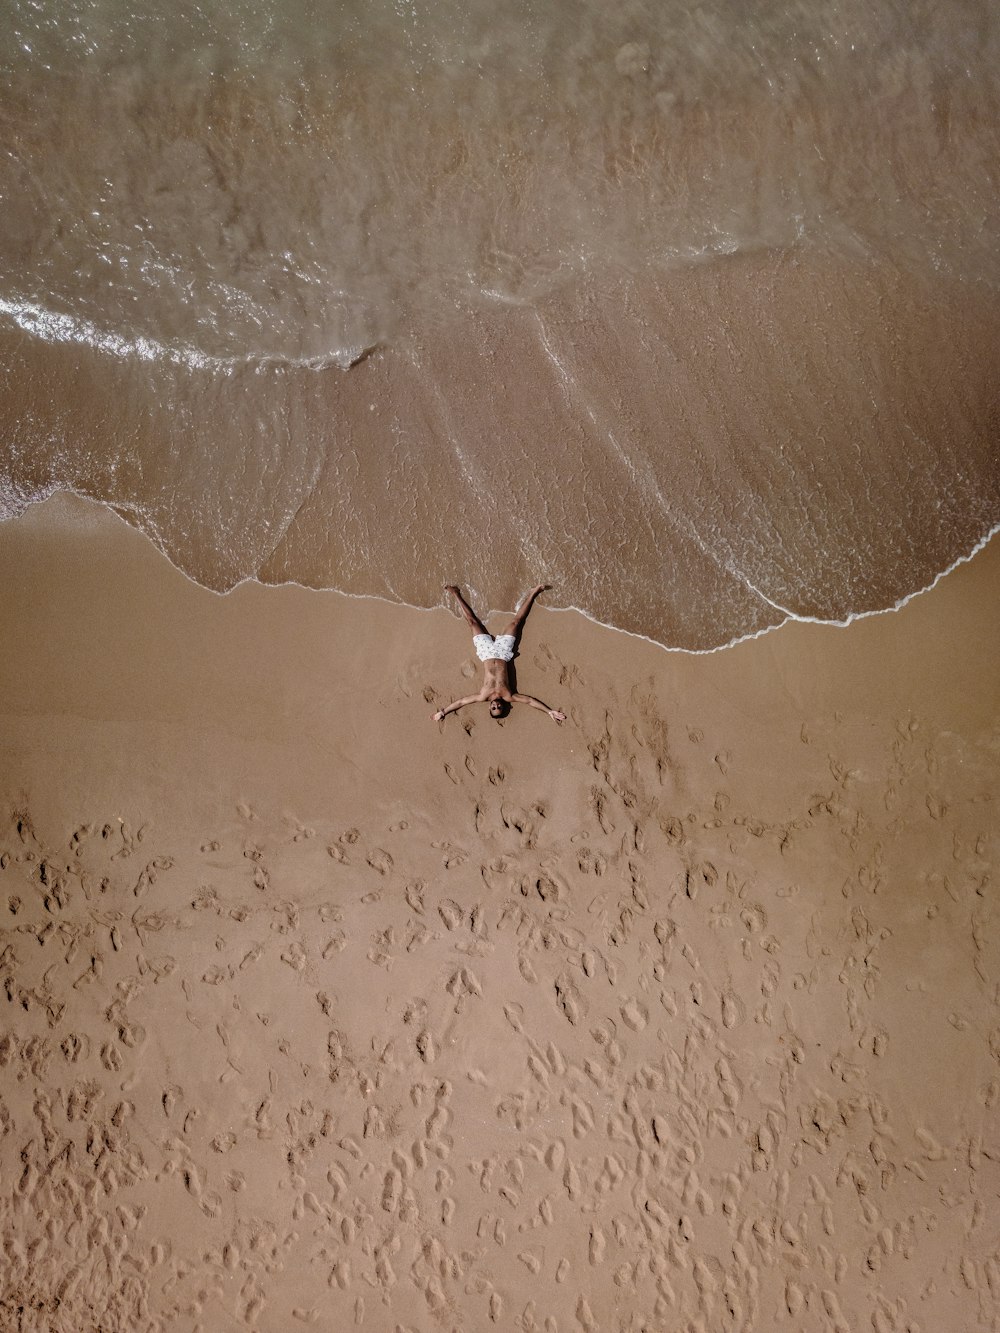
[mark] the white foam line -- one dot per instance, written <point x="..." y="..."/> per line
<point x="53" y="326"/>
<point x="791" y="616"/>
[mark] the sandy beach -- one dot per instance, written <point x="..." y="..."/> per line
<point x="678" y="1015"/>
<point x="682" y="1015"/>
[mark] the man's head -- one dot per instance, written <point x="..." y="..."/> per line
<point x="499" y="708"/>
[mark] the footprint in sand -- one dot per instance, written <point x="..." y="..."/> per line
<point x="698" y="877"/>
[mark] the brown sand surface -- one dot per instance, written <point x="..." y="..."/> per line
<point x="681" y="1016"/>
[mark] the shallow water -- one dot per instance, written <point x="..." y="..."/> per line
<point x="687" y="310"/>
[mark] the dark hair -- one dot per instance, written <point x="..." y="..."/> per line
<point x="502" y="705"/>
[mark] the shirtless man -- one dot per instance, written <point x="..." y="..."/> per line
<point x="494" y="655"/>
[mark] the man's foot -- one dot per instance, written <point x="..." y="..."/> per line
<point x="529" y="597"/>
<point x="452" y="587"/>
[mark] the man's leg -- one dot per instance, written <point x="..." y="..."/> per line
<point x="475" y="623"/>
<point x="517" y="624"/>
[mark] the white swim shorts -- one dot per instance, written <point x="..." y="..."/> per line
<point x="486" y="646"/>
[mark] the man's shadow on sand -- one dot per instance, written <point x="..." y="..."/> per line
<point x="512" y="664"/>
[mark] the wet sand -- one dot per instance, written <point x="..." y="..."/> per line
<point x="682" y="1015"/>
<point x="695" y="484"/>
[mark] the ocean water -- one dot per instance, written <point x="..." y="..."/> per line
<point x="690" y="310"/>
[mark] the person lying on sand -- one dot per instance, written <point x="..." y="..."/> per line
<point x="494" y="655"/>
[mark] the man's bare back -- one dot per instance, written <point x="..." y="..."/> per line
<point x="495" y="654"/>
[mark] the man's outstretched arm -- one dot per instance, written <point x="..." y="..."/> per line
<point x="454" y="707"/>
<point x="553" y="713"/>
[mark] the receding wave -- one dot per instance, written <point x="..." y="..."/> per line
<point x="687" y="311"/>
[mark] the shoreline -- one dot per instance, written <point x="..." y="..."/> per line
<point x="716" y="495"/>
<point x="83" y="511"/>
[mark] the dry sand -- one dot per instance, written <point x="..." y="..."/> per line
<point x="681" y="1016"/>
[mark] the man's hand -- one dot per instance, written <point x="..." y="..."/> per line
<point x="436" y="717"/>
<point x="556" y="716"/>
